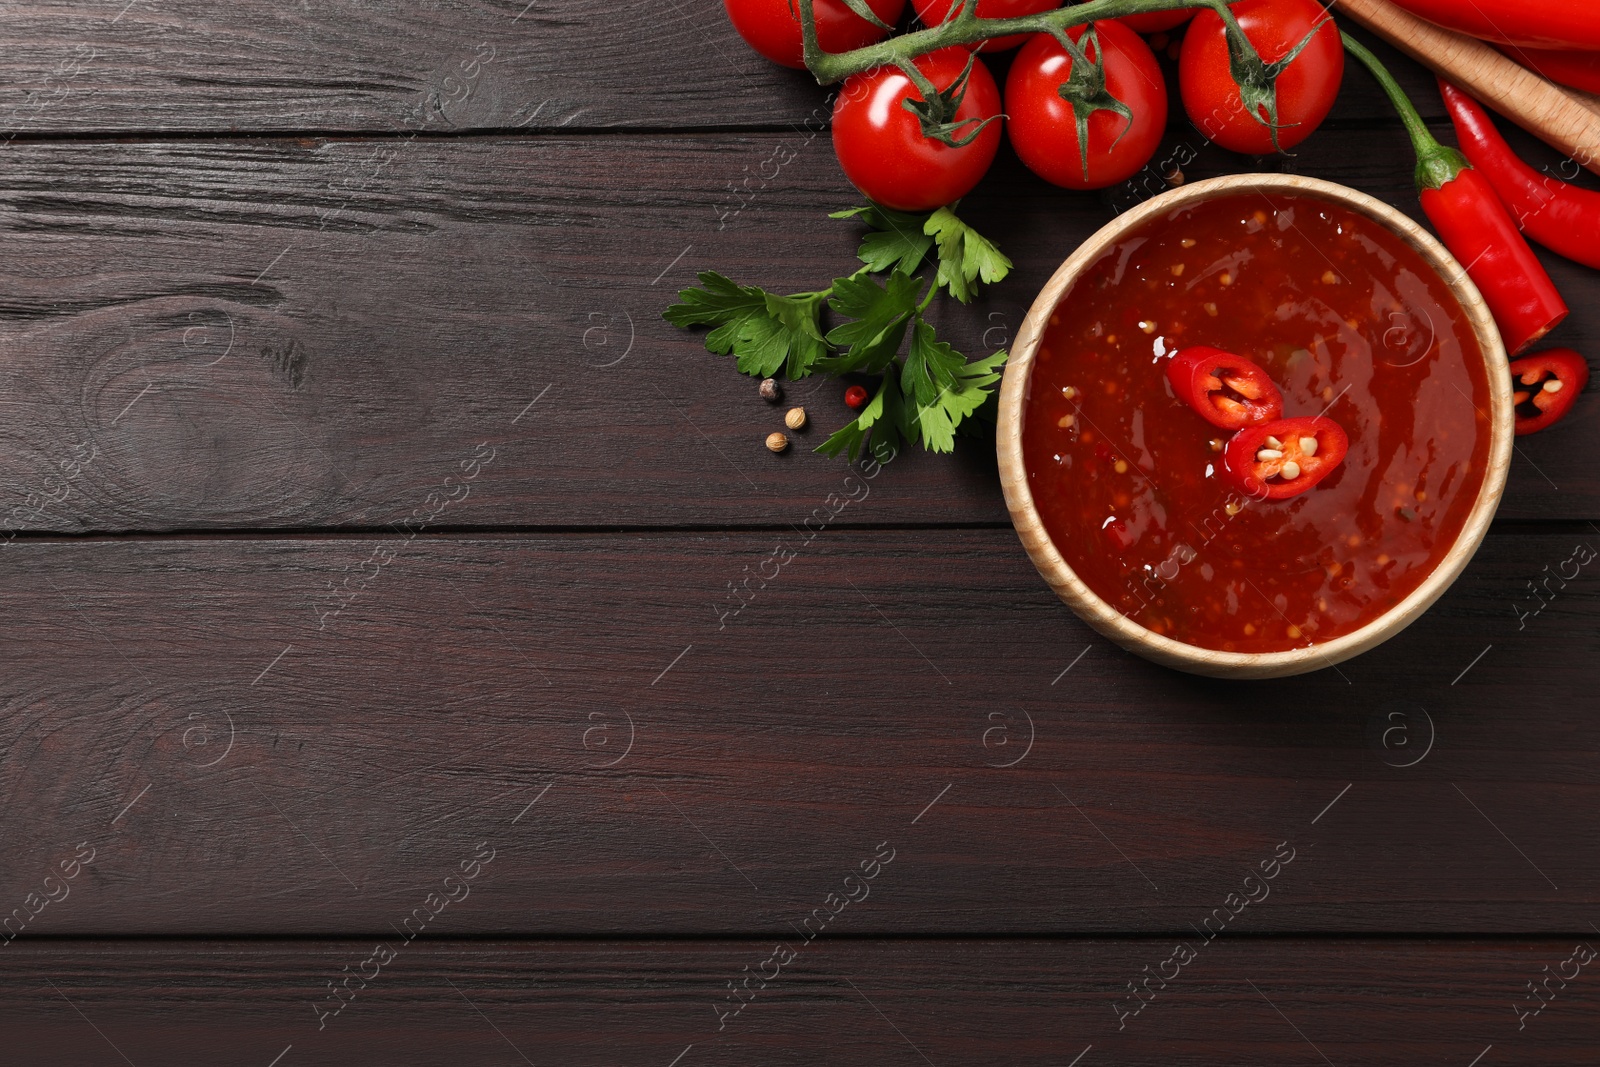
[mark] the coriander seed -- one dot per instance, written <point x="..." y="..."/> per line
<point x="795" y="419"/>
<point x="777" y="442"/>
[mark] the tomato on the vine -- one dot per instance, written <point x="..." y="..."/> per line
<point x="1044" y="127"/>
<point x="881" y="144"/>
<point x="933" y="12"/>
<point x="1157" y="21"/>
<point x="772" y="27"/>
<point x="1305" y="88"/>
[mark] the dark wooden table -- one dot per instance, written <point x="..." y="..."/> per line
<point x="367" y="692"/>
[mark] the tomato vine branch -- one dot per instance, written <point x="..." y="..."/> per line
<point x="965" y="28"/>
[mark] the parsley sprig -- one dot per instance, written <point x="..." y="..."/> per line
<point x="928" y="390"/>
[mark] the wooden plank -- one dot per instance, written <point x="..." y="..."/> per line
<point x="1557" y="114"/>
<point x="573" y="701"/>
<point x="1293" y="1001"/>
<point x="299" y="334"/>
<point x="451" y="65"/>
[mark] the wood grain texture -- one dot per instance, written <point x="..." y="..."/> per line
<point x="448" y="66"/>
<point x="293" y="334"/>
<point x="174" y="704"/>
<point x="1558" y="115"/>
<point x="974" y="1002"/>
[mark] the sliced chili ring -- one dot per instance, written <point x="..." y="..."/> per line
<point x="1224" y="389"/>
<point x="1280" y="459"/>
<point x="1544" y="387"/>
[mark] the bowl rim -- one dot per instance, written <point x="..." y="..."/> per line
<point x="1195" y="659"/>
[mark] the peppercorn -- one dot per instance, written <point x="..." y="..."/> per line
<point x="770" y="390"/>
<point x="777" y="442"/>
<point x="855" y="397"/>
<point x="795" y="419"/>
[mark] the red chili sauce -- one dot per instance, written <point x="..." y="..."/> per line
<point x="1349" y="321"/>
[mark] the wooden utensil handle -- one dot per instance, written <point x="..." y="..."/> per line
<point x="1563" y="118"/>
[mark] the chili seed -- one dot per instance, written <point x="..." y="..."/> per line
<point x="1269" y="453"/>
<point x="1121" y="466"/>
<point x="1065" y="422"/>
<point x="1530" y="376"/>
<point x="1211" y="309"/>
<point x="1308" y="446"/>
<point x="1187" y="242"/>
<point x="1069" y="392"/>
<point x="1552" y="386"/>
<point x="1215" y="444"/>
<point x="1226" y="279"/>
<point x="1329" y="278"/>
<point x="1291" y="470"/>
<point x="1294" y="632"/>
<point x="1273" y="442"/>
<point x="1231" y="508"/>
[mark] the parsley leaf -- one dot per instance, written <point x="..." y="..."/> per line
<point x="965" y="256"/>
<point x="931" y="365"/>
<point x="881" y="420"/>
<point x="764" y="331"/>
<point x="898" y="240"/>
<point x="934" y="421"/>
<point x="880" y="313"/>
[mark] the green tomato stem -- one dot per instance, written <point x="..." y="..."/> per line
<point x="968" y="28"/>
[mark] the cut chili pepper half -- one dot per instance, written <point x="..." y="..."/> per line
<point x="1280" y="459"/>
<point x="1544" y="387"/>
<point x="1226" y="390"/>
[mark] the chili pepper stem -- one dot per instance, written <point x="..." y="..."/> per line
<point x="967" y="28"/>
<point x="1437" y="164"/>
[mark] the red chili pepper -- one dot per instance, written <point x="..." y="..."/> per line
<point x="1226" y="390"/>
<point x="1475" y="226"/>
<point x="1562" y="217"/>
<point x="1576" y="70"/>
<point x="1546" y="386"/>
<point x="1281" y="459"/>
<point x="1526" y="23"/>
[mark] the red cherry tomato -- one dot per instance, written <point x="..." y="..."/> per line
<point x="1044" y="128"/>
<point x="933" y="12"/>
<point x="1305" y="90"/>
<point x="1280" y="459"/>
<point x="772" y="27"/>
<point x="1544" y="387"/>
<point x="1157" y="21"/>
<point x="855" y="397"/>
<point x="881" y="145"/>
<point x="1224" y="389"/>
